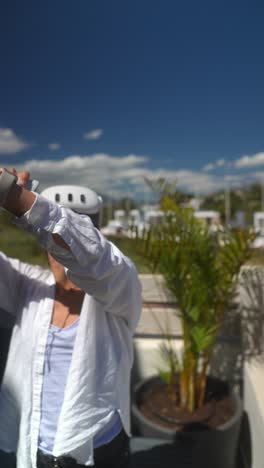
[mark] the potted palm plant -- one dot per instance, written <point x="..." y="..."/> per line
<point x="201" y="269"/>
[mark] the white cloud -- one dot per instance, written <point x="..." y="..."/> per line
<point x="234" y="179"/>
<point x="208" y="167"/>
<point x="93" y="134"/>
<point x="211" y="166"/>
<point x="10" y="143"/>
<point x="54" y="146"/>
<point x="192" y="181"/>
<point x="250" y="161"/>
<point x="100" y="171"/>
<point x="116" y="176"/>
<point x="259" y="175"/>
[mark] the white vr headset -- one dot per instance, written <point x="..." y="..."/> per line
<point x="79" y="199"/>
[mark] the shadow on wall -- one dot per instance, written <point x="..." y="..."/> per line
<point x="242" y="337"/>
<point x="5" y="336"/>
<point x="252" y="313"/>
<point x="227" y="359"/>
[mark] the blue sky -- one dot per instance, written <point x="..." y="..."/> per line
<point x="104" y="93"/>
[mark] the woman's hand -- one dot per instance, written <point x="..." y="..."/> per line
<point x="22" y="176"/>
<point x="19" y="200"/>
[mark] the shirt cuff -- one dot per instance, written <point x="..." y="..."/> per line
<point x="43" y="214"/>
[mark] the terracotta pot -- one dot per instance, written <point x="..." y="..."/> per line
<point x="196" y="445"/>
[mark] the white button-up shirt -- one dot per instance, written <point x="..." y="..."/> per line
<point x="99" y="376"/>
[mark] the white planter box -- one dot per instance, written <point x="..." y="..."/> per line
<point x="254" y="405"/>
